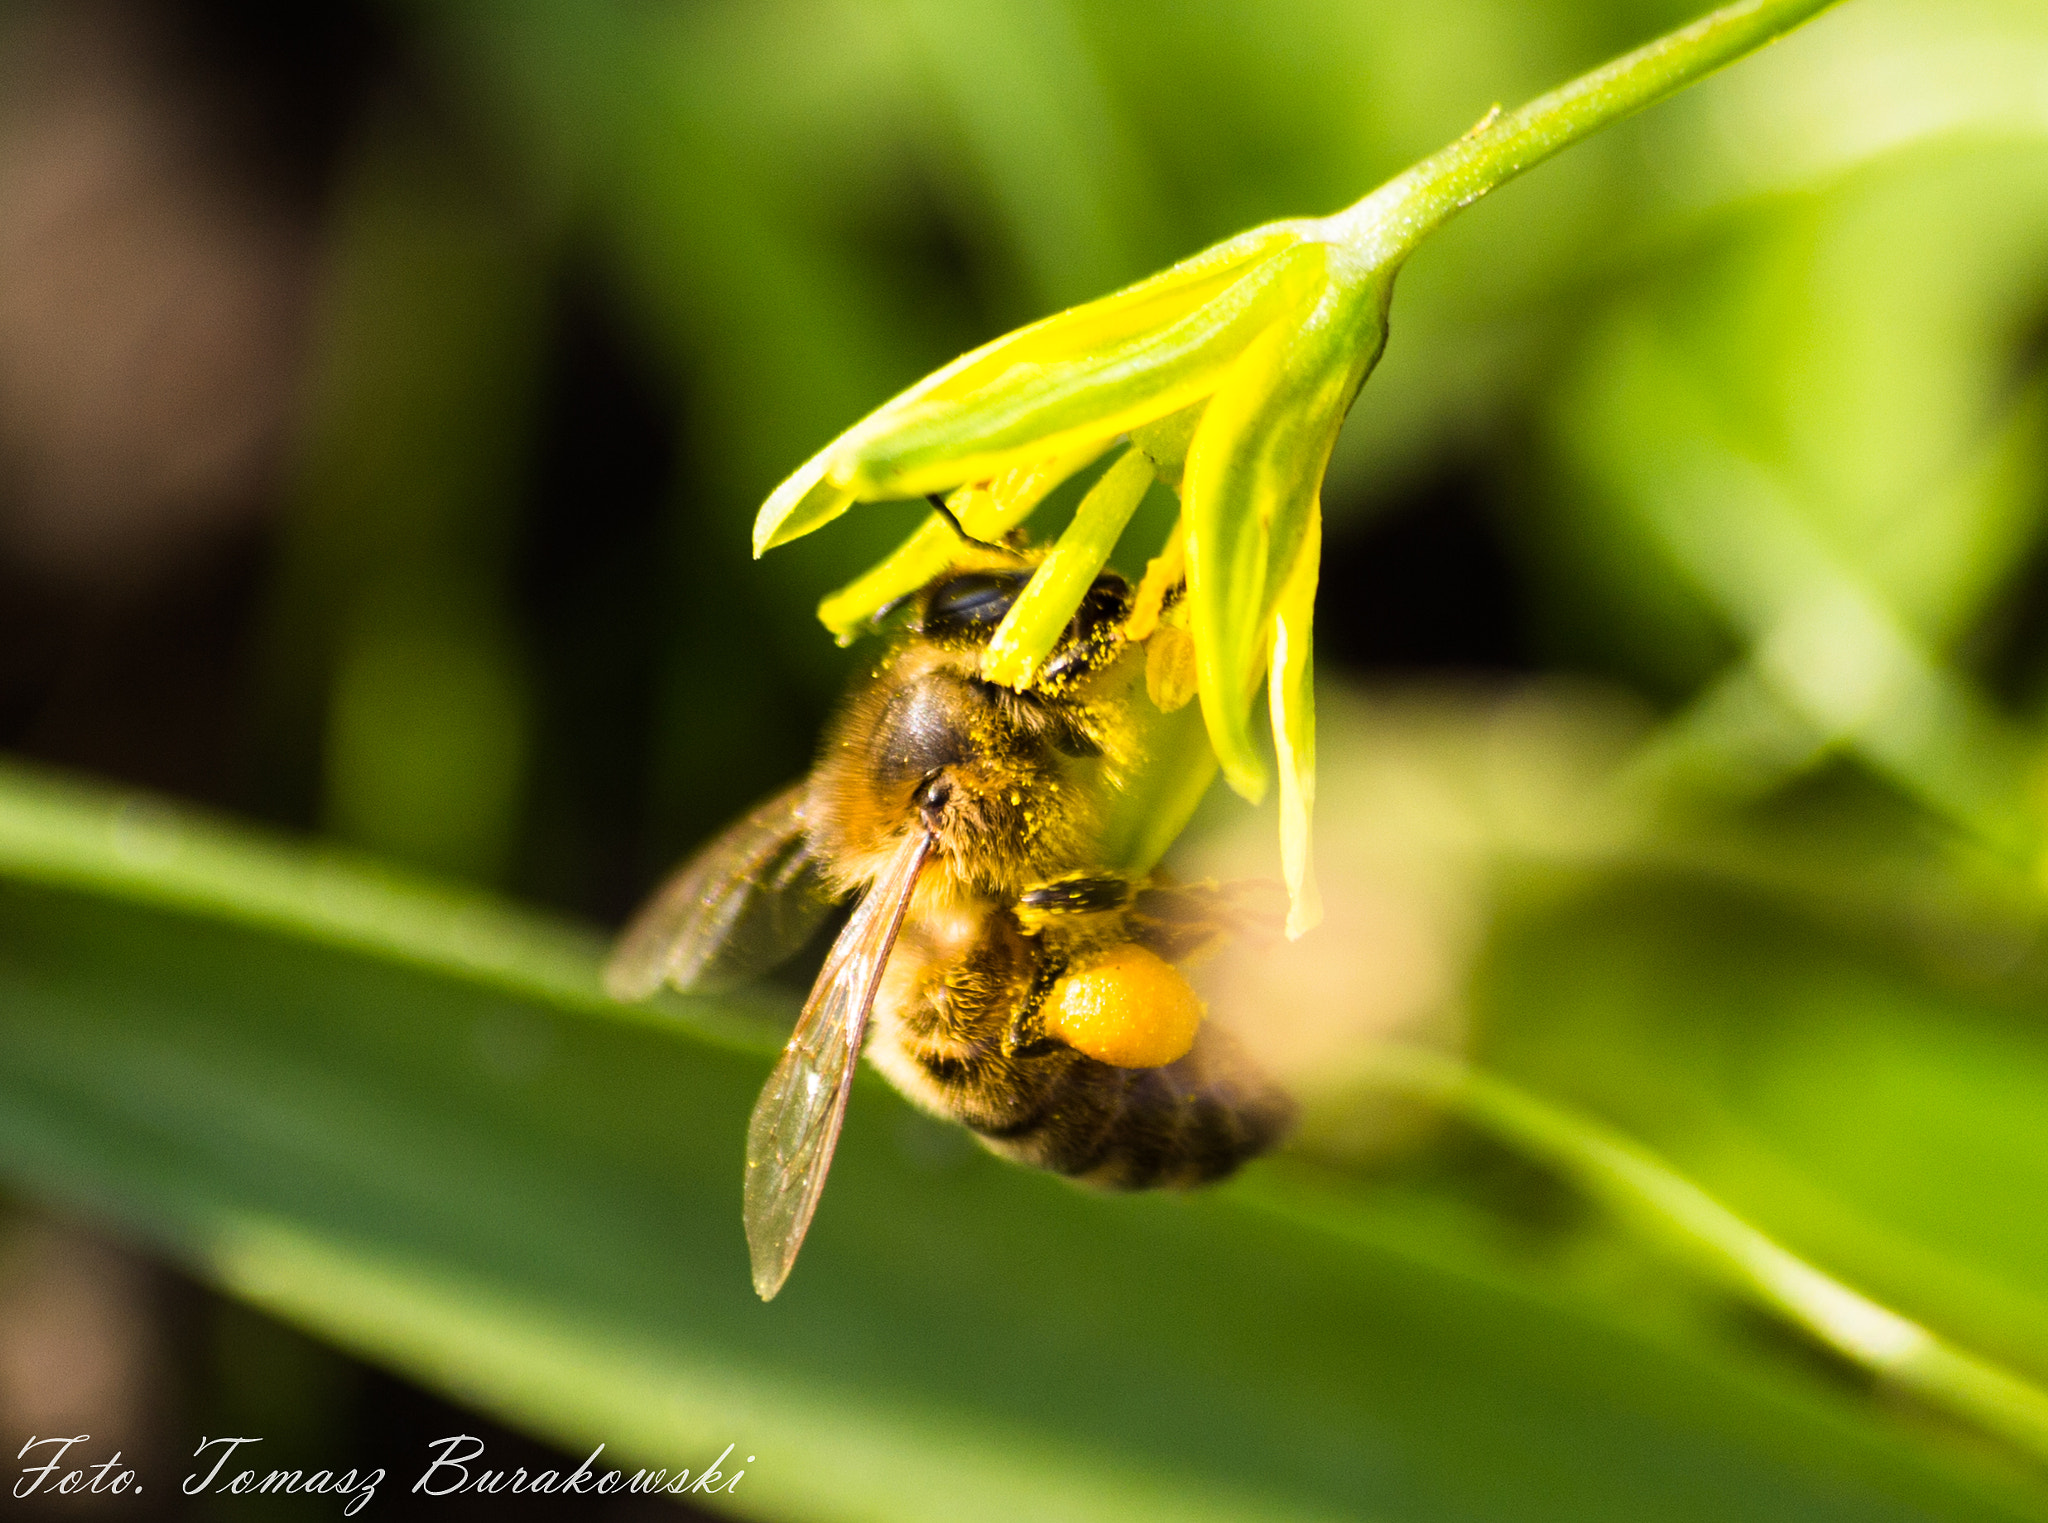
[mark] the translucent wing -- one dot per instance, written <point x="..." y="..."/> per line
<point x="1184" y="920"/>
<point x="797" y="1119"/>
<point x="736" y="909"/>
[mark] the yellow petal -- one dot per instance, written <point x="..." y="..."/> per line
<point x="1290" y="691"/>
<point x="805" y="501"/>
<point x="1225" y="544"/>
<point x="1162" y="574"/>
<point x="986" y="512"/>
<point x="1055" y="401"/>
<point x="1252" y="476"/>
<point x="1167" y="439"/>
<point x="1107" y="321"/>
<point x="802" y="503"/>
<point x="1036" y="620"/>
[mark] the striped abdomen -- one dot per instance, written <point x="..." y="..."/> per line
<point x="939" y="1023"/>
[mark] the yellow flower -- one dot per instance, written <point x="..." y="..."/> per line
<point x="1229" y="375"/>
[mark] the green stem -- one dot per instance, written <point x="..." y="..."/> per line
<point x="1720" y="1244"/>
<point x="1386" y="226"/>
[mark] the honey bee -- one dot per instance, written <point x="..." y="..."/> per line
<point x="999" y="975"/>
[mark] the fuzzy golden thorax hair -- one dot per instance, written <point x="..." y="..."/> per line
<point x="1010" y="783"/>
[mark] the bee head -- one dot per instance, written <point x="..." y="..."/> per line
<point x="965" y="607"/>
<point x="962" y="609"/>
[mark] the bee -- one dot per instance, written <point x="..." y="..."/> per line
<point x="997" y="973"/>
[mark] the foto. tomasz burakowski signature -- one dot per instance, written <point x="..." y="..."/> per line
<point x="455" y="1467"/>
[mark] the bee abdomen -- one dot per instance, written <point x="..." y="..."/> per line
<point x="938" y="1034"/>
<point x="1189" y="1123"/>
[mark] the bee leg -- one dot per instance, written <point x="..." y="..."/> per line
<point x="1072" y="896"/>
<point x="1025" y="1036"/>
<point x="1058" y="916"/>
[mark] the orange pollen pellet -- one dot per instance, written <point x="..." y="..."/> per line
<point x="1128" y="1008"/>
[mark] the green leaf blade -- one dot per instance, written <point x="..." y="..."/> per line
<point x="536" y="1206"/>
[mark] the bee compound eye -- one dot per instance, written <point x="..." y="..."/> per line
<point x="1129" y="1008"/>
<point x="972" y="601"/>
<point x="1107" y="604"/>
<point x="1092" y="633"/>
<point x="922" y="729"/>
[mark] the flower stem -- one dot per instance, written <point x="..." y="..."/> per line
<point x="1714" y="1240"/>
<point x="1386" y="226"/>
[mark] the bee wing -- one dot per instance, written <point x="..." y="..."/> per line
<point x="1180" y="921"/>
<point x="797" y="1119"/>
<point x="736" y="909"/>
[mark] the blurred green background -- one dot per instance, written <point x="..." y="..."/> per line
<point x="385" y="394"/>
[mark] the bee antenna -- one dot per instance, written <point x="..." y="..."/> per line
<point x="939" y="507"/>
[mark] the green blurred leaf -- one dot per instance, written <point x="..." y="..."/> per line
<point x="446" y="1157"/>
<point x="1826" y="1082"/>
